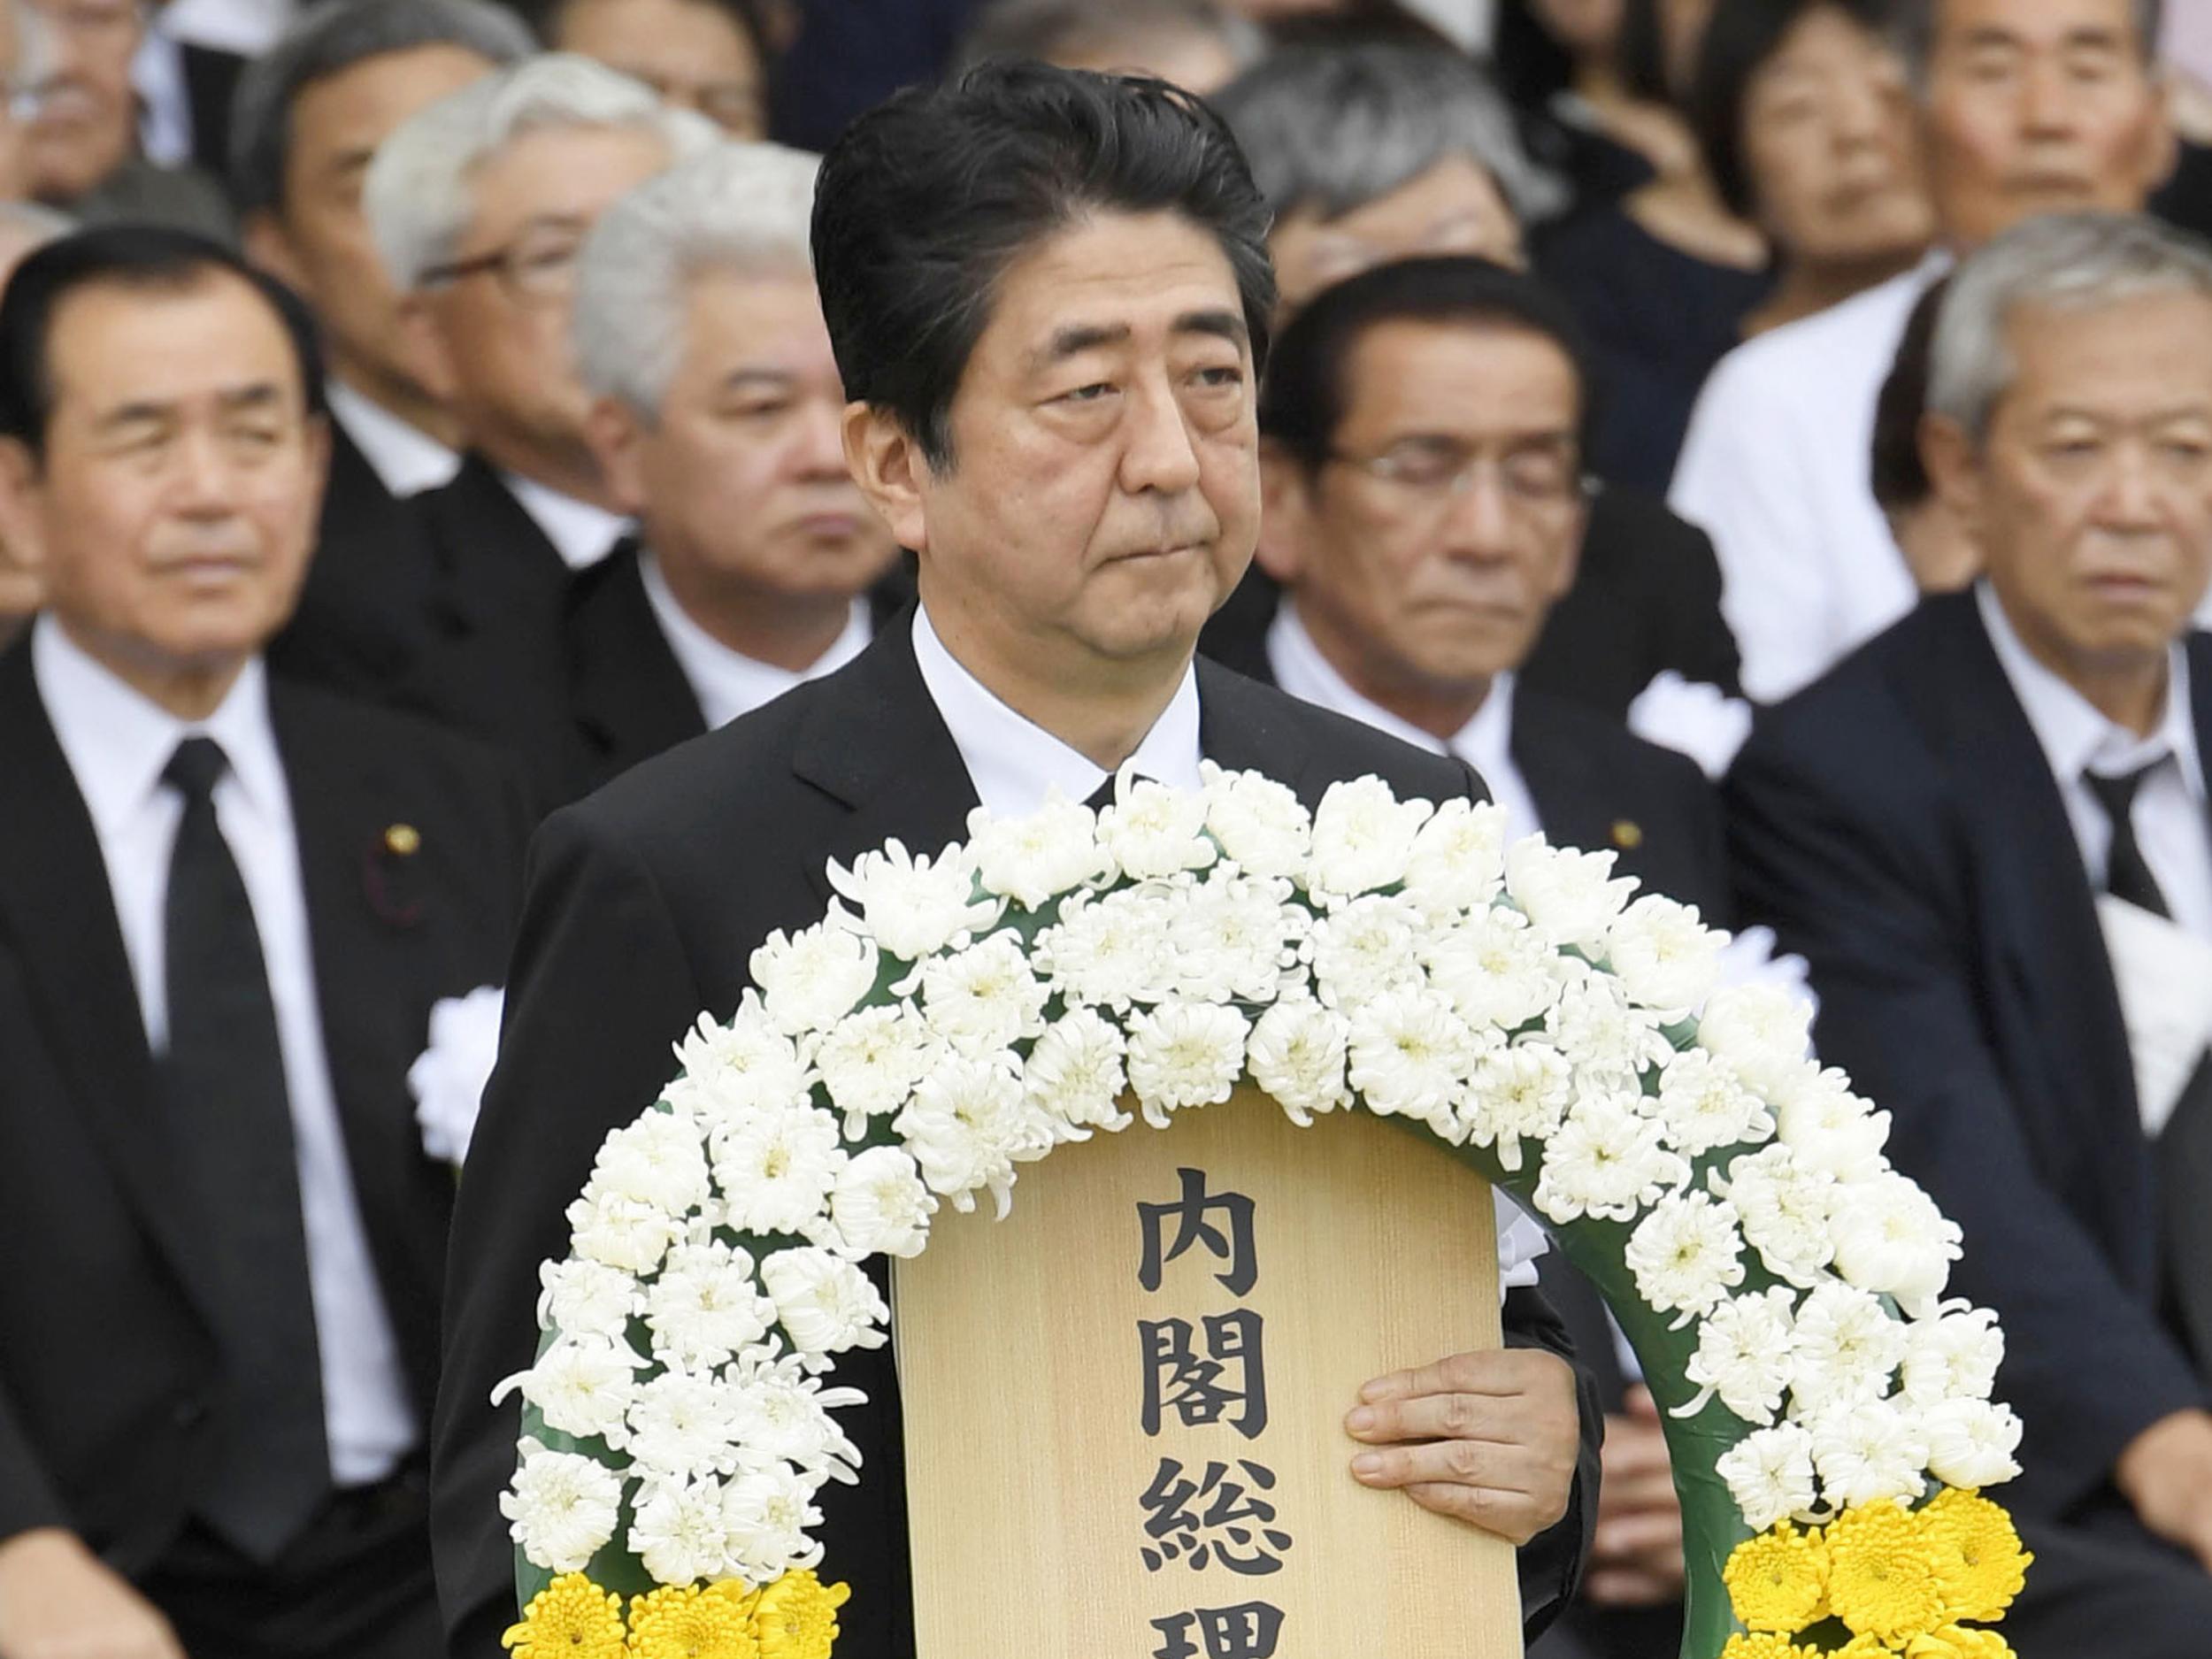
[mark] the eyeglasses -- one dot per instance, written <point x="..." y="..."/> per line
<point x="1533" y="481"/>
<point x="538" y="264"/>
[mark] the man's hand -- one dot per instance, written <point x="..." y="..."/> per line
<point x="1488" y="1438"/>
<point x="2166" y="1473"/>
<point x="1636" y="1560"/>
<point x="59" y="1600"/>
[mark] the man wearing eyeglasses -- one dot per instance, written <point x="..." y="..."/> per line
<point x="478" y="206"/>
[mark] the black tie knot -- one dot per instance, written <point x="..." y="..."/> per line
<point x="2128" y="874"/>
<point x="196" y="767"/>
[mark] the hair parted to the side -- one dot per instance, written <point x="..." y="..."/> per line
<point x="1738" y="41"/>
<point x="1913" y="28"/>
<point x="926" y="201"/>
<point x="151" y="260"/>
<point x="1306" y="393"/>
<point x="740" y="208"/>
<point x="2062" y="262"/>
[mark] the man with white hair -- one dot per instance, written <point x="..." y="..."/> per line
<point x="480" y="206"/>
<point x="1987" y="832"/>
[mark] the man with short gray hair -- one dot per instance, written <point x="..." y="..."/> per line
<point x="1988" y="833"/>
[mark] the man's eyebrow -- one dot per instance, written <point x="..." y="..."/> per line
<point x="259" y="394"/>
<point x="746" y="380"/>
<point x="1225" y="325"/>
<point x="1078" y="338"/>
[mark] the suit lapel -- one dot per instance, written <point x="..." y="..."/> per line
<point x="1243" y="728"/>
<point x="632" y="698"/>
<point x="490" y="546"/>
<point x="57" y="906"/>
<point x="1571" y="796"/>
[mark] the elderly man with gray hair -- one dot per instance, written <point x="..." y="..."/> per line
<point x="480" y="206"/>
<point x="1987" y="832"/>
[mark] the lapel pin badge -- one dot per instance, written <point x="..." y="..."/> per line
<point x="403" y="840"/>
<point x="1628" y="834"/>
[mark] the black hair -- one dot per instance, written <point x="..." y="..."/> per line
<point x="1899" y="476"/>
<point x="1528" y="63"/>
<point x="924" y="201"/>
<point x="1304" y="398"/>
<point x="143" y="258"/>
<point x="1640" y="54"/>
<point x="1742" y="36"/>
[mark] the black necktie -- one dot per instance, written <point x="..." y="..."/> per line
<point x="2127" y="874"/>
<point x="229" y="1121"/>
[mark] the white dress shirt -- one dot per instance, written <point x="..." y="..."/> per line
<point x="580" y="532"/>
<point x="729" y="683"/>
<point x="164" y="99"/>
<point x="1486" y="743"/>
<point x="117" y="745"/>
<point x="246" y="27"/>
<point x="2172" y="824"/>
<point x="406" y="457"/>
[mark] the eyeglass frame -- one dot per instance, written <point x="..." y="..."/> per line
<point x="501" y="261"/>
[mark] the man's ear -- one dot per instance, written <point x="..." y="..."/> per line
<point x="616" y="435"/>
<point x="1953" y="464"/>
<point x="20" y="475"/>
<point x="891" y="472"/>
<point x="1286" y="510"/>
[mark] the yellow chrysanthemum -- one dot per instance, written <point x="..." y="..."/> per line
<point x="1979" y="1562"/>
<point x="1881" y="1573"/>
<point x="1765" y="1645"/>
<point x="713" y="1623"/>
<point x="570" y="1618"/>
<point x="1779" y="1581"/>
<point x="1955" y="1641"/>
<point x="795" y="1618"/>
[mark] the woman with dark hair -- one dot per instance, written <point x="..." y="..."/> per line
<point x="1802" y="112"/>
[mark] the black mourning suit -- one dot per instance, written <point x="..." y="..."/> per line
<point x="645" y="903"/>
<point x="107" y="1364"/>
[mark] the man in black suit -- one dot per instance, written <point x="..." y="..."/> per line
<point x="1382" y="151"/>
<point x="1049" y="295"/>
<point x="1421" y="440"/>
<point x="310" y="112"/>
<point x="227" y="906"/>
<point x="1987" y="832"/>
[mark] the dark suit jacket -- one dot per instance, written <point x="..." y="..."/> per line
<point x="106" y="1362"/>
<point x="645" y="903"/>
<point x="210" y="84"/>
<point x="1898" y="824"/>
<point x="1646" y="598"/>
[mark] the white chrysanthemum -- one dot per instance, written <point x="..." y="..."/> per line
<point x="563" y="1508"/>
<point x="1297" y="1053"/>
<point x="1232" y="936"/>
<point x="812" y="980"/>
<point x="1104" y="950"/>
<point x="1761" y="1029"/>
<point x="1869" y="1453"/>
<point x="768" y="1516"/>
<point x="1495" y="967"/>
<point x="448" y="1077"/>
<point x="879" y="1204"/>
<point x="656" y="1160"/>
<point x="1845" y="1350"/>
<point x="587" y="1298"/>
<point x="1890" y="1237"/>
<point x="1362" y="839"/>
<point x="780" y="1414"/>
<point x="1518" y="1094"/>
<point x="626" y="1234"/>
<point x="1612" y="1041"/>
<point x="1686" y="1255"/>
<point x="1607" y="1159"/>
<point x="1036" y="858"/>
<point x="679" y="1533"/>
<point x="1458" y="859"/>
<point x="1971" y="1443"/>
<point x="1783" y="1206"/>
<point x="1743" y="1356"/>
<point x="1819" y="1118"/>
<point x="1410" y="1055"/>
<point x="776" y="1169"/>
<point x="1183" y="1055"/>
<point x="1664" y="955"/>
<point x="967" y="1123"/>
<point x="1075" y="1075"/>
<point x="581" y="1386"/>
<point x="680" y="1424"/>
<point x="825" y="1303"/>
<point x="913" y="905"/>
<point x="1952" y="1357"/>
<point x="870" y="1062"/>
<point x="1369" y="946"/>
<point x="984" y="998"/>
<point x="733" y="1071"/>
<point x="1705" y="1107"/>
<point x="1152" y="831"/>
<point x="1571" y="896"/>
<point x="1769" y="1474"/>
<point x="1261" y="825"/>
<point x="704" y="1307"/>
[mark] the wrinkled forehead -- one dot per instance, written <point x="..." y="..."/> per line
<point x="1112" y="281"/>
<point x="560" y="176"/>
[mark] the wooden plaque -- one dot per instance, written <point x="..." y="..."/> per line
<point x="1089" y="1473"/>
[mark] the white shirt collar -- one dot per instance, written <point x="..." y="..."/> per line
<point x="1015" y="763"/>
<point x="164" y="100"/>
<point x="580" y="533"/>
<point x="2075" y="737"/>
<point x="406" y="457"/>
<point x="118" y="742"/>
<point x="729" y="683"/>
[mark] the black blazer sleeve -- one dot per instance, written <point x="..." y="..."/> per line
<point x="1552" y="1563"/>
<point x="28" y="1499"/>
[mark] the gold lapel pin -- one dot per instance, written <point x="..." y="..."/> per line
<point x="403" y="840"/>
<point x="1628" y="834"/>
